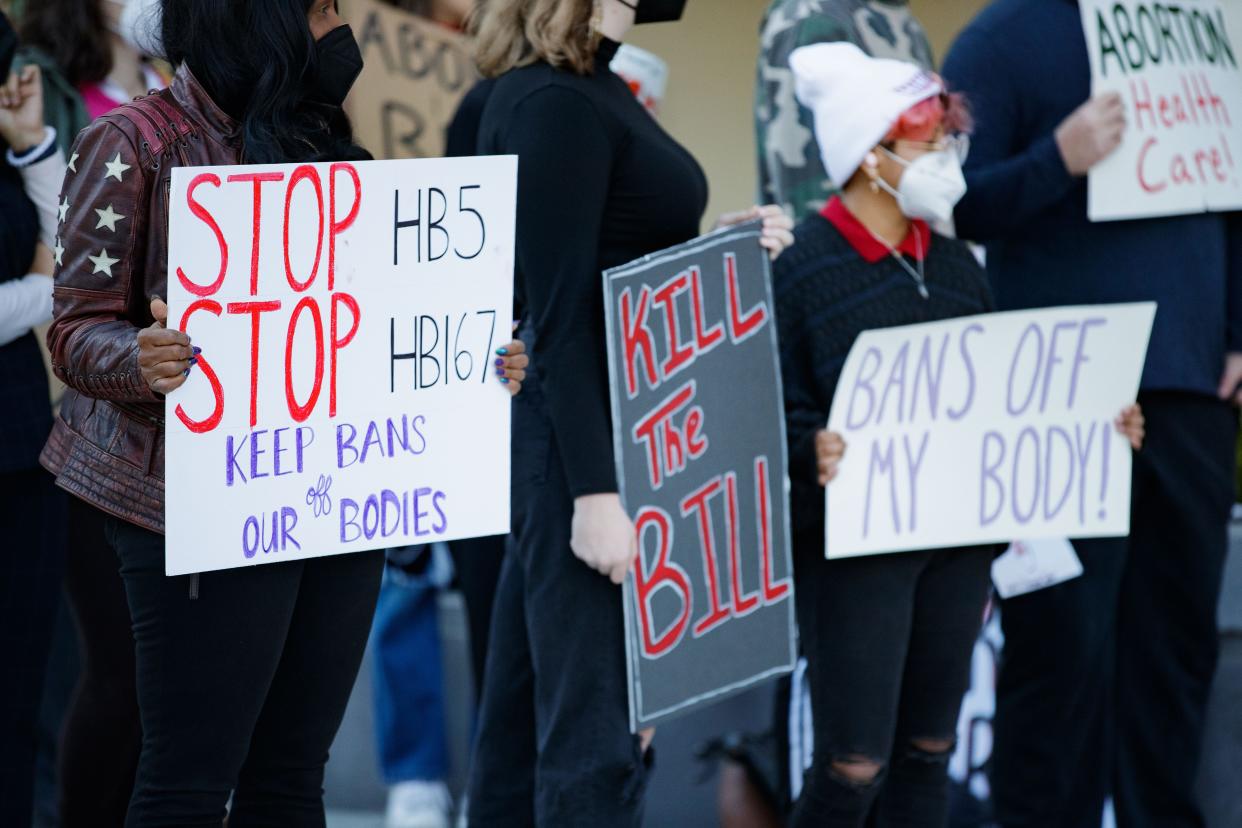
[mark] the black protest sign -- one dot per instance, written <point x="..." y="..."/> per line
<point x="700" y="447"/>
<point x="416" y="72"/>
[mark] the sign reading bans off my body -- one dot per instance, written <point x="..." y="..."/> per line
<point x="701" y="468"/>
<point x="986" y="429"/>
<point x="345" y="398"/>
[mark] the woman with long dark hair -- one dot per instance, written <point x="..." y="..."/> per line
<point x="600" y="184"/>
<point x="242" y="675"/>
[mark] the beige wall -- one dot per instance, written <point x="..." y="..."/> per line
<point x="711" y="56"/>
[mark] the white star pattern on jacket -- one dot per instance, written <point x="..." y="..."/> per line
<point x="116" y="168"/>
<point x="73" y="162"/>
<point x="64" y="209"/>
<point x="108" y="218"/>
<point x="103" y="263"/>
<point x="59" y="250"/>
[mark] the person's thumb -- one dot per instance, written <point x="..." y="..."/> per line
<point x="159" y="310"/>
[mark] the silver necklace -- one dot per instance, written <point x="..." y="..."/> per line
<point x="919" y="276"/>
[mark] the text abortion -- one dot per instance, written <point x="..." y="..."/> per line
<point x="985" y="429"/>
<point x="1175" y="67"/>
<point x="346" y="351"/>
<point x="702" y="476"/>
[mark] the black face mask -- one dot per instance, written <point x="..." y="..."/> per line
<point x="8" y="47"/>
<point x="340" y="63"/>
<point x="656" y="11"/>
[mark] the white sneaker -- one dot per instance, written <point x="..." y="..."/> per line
<point x="419" y="804"/>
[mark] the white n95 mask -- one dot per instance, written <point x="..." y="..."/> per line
<point x="930" y="187"/>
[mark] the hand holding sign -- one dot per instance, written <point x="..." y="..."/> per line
<point x="829" y="451"/>
<point x="164" y="355"/>
<point x="777" y="232"/>
<point x="1091" y="133"/>
<point x="1132" y="425"/>
<point x="511" y="365"/>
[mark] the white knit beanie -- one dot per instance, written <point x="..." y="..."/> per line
<point x="856" y="99"/>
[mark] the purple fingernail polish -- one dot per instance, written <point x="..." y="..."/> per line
<point x="194" y="360"/>
<point x="197" y="350"/>
<point x="500" y="363"/>
<point x="500" y="372"/>
<point x="186" y="372"/>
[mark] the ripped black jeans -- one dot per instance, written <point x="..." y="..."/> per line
<point x="888" y="641"/>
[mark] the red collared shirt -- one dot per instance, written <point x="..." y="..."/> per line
<point x="916" y="244"/>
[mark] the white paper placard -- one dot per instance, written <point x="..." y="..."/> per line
<point x="346" y="397"/>
<point x="1176" y="67"/>
<point x="987" y="428"/>
<point x="1028" y="566"/>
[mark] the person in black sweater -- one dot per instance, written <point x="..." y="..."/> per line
<point x="599" y="184"/>
<point x="888" y="639"/>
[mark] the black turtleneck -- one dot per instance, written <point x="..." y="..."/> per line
<point x="599" y="185"/>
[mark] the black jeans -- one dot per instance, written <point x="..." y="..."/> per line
<point x="888" y="642"/>
<point x="102" y="735"/>
<point x="1104" y="680"/>
<point x="477" y="563"/>
<point x="32" y="559"/>
<point x="553" y="747"/>
<point x="242" y="689"/>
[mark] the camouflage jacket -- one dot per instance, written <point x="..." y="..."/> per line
<point x="790" y="170"/>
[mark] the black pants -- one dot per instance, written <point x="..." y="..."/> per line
<point x="1104" y="680"/>
<point x="102" y="734"/>
<point x="888" y="641"/>
<point x="553" y="747"/>
<point x="32" y="514"/>
<point x="477" y="563"/>
<point x="241" y="689"/>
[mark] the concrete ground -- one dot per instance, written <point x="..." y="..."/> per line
<point x="683" y="791"/>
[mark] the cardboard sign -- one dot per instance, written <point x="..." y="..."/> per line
<point x="986" y="428"/>
<point x="1176" y="68"/>
<point x="345" y="398"/>
<point x="700" y="448"/>
<point x="416" y="73"/>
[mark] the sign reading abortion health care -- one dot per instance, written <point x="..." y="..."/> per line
<point x="985" y="429"/>
<point x="345" y="398"/>
<point x="700" y="449"/>
<point x="1175" y="66"/>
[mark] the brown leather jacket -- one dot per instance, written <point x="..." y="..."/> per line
<point x="107" y="445"/>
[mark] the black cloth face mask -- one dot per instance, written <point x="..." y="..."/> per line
<point x="340" y="62"/>
<point x="656" y="11"/>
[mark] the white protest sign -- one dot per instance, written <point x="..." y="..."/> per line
<point x="1028" y="566"/>
<point x="1175" y="66"/>
<point x="987" y="428"/>
<point x="345" y="398"/>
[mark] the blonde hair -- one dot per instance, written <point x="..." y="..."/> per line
<point x="513" y="33"/>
